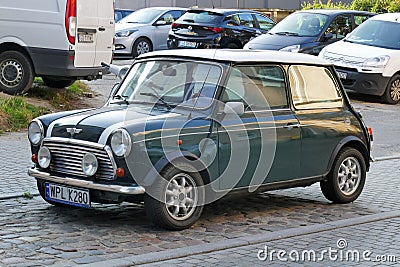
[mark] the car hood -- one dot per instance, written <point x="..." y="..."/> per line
<point x="275" y="42"/>
<point x="96" y="125"/>
<point x="356" y="50"/>
<point x="128" y="26"/>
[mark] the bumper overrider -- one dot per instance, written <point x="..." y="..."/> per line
<point x="124" y="190"/>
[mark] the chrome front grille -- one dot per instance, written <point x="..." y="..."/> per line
<point x="343" y="59"/>
<point x="67" y="155"/>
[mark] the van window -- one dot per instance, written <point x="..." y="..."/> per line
<point x="310" y="92"/>
<point x="258" y="87"/>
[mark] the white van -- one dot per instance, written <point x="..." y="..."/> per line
<point x="58" y="40"/>
<point x="368" y="59"/>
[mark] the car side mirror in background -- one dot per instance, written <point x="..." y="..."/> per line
<point x="120" y="71"/>
<point x="160" y="23"/>
<point x="234" y="108"/>
<point x="113" y="90"/>
<point x="328" y="36"/>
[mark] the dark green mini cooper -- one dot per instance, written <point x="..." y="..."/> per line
<point x="186" y="127"/>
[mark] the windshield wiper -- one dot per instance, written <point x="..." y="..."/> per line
<point x="189" y="20"/>
<point x="288" y="33"/>
<point x="159" y="98"/>
<point x="122" y="98"/>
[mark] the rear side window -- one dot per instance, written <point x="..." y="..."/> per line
<point x="246" y="19"/>
<point x="313" y="87"/>
<point x="258" y="87"/>
<point x="201" y="17"/>
<point x="265" y="23"/>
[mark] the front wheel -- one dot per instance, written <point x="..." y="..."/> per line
<point x="16" y="73"/>
<point x="176" y="202"/>
<point x="57" y="82"/>
<point x="347" y="177"/>
<point x="392" y="92"/>
<point x="141" y="46"/>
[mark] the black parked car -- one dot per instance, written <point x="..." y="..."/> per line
<point x="308" y="31"/>
<point x="217" y="28"/>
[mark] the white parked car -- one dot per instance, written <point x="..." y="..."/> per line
<point x="145" y="30"/>
<point x="58" y="40"/>
<point x="368" y="59"/>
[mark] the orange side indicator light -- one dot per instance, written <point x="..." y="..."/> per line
<point x="34" y="158"/>
<point x="120" y="172"/>
<point x="179" y="142"/>
<point x="371" y="133"/>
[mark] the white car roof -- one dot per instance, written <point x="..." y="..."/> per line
<point x="393" y="17"/>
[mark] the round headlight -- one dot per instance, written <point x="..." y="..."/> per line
<point x="121" y="143"/>
<point x="89" y="164"/>
<point x="35" y="132"/>
<point x="44" y="157"/>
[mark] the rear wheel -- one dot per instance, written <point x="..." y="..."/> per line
<point x="176" y="201"/>
<point x="141" y="46"/>
<point x="392" y="92"/>
<point x="16" y="73"/>
<point x="346" y="179"/>
<point x="57" y="82"/>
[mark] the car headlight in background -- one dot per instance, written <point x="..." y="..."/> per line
<point x="89" y="164"/>
<point x="44" y="157"/>
<point x="121" y="143"/>
<point x="35" y="132"/>
<point x="125" y="33"/>
<point x="376" y="62"/>
<point x="291" y="48"/>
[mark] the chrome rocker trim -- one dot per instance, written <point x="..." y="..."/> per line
<point x="126" y="190"/>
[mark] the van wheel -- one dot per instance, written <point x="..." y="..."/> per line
<point x="392" y="93"/>
<point x="176" y="202"/>
<point x="346" y="179"/>
<point x="16" y="73"/>
<point x="141" y="46"/>
<point x="57" y="82"/>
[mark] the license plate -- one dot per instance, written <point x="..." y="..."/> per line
<point x="187" y="44"/>
<point x="68" y="195"/>
<point x="85" y="38"/>
<point x="342" y="75"/>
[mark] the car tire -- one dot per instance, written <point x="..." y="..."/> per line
<point x="57" y="82"/>
<point x="141" y="46"/>
<point x="16" y="73"/>
<point x="392" y="92"/>
<point x="346" y="179"/>
<point x="168" y="205"/>
<point x="42" y="191"/>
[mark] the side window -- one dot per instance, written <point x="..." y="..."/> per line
<point x="246" y="19"/>
<point x="340" y="26"/>
<point x="233" y="20"/>
<point x="171" y="16"/>
<point x="258" y="87"/>
<point x="265" y="23"/>
<point x="358" y="19"/>
<point x="313" y="87"/>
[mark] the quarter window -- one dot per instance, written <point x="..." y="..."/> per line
<point x="265" y="23"/>
<point x="313" y="87"/>
<point x="246" y="20"/>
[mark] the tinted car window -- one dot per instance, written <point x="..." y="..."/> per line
<point x="340" y="26"/>
<point x="262" y="86"/>
<point x="201" y="17"/>
<point x="302" y="24"/>
<point x="358" y="19"/>
<point x="246" y="20"/>
<point x="264" y="22"/>
<point x="307" y="92"/>
<point x="171" y="16"/>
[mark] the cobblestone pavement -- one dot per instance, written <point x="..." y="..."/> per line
<point x="347" y="246"/>
<point x="35" y="233"/>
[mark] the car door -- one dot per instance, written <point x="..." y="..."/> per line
<point x="262" y="145"/>
<point x="320" y="110"/>
<point x="161" y="28"/>
<point x="94" y="32"/>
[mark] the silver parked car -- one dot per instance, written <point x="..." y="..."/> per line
<point x="145" y="30"/>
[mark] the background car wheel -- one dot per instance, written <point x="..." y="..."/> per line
<point x="141" y="46"/>
<point x="55" y="82"/>
<point x="392" y="93"/>
<point x="346" y="179"/>
<point x="42" y="191"/>
<point x="182" y="195"/>
<point x="16" y="73"/>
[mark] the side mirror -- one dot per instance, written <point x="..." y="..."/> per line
<point x="328" y="36"/>
<point x="160" y="23"/>
<point x="113" y="91"/>
<point x="234" y="108"/>
<point x="120" y="71"/>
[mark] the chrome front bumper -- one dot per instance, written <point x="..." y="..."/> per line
<point x="126" y="190"/>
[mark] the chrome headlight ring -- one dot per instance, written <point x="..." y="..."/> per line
<point x="35" y="132"/>
<point x="121" y="142"/>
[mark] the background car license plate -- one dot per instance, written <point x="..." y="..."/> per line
<point x="342" y="75"/>
<point x="85" y="38"/>
<point x="187" y="44"/>
<point x="68" y="195"/>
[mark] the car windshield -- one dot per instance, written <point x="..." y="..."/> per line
<point x="201" y="17"/>
<point x="378" y="33"/>
<point x="301" y="24"/>
<point x="142" y="16"/>
<point x="170" y="83"/>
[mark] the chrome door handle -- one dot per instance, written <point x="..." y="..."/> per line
<point x="291" y="125"/>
